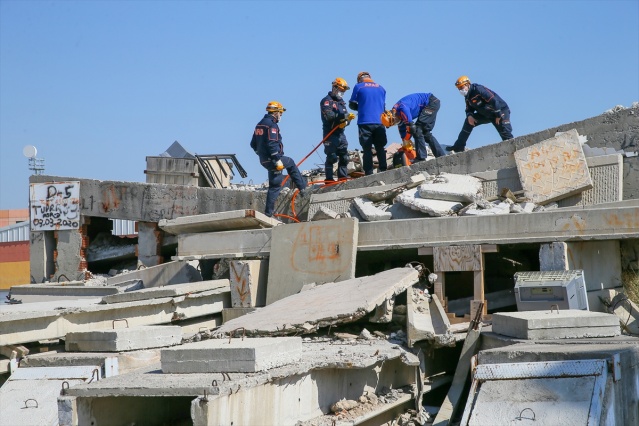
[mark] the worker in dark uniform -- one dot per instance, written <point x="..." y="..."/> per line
<point x="424" y="107"/>
<point x="369" y="100"/>
<point x="334" y="113"/>
<point x="482" y="106"/>
<point x="267" y="144"/>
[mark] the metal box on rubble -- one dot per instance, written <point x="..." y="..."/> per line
<point x="541" y="290"/>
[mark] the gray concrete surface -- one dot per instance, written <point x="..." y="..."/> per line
<point x="545" y="325"/>
<point x="248" y="280"/>
<point x="310" y="252"/>
<point x="41" y="292"/>
<point x="172" y="290"/>
<point x="222" y="221"/>
<point x="324" y="305"/>
<point x="123" y="339"/>
<point x="236" y="355"/>
<point x="176" y="272"/>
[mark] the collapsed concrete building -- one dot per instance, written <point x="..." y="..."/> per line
<point x="374" y="301"/>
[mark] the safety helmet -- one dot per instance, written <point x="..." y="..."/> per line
<point x="462" y="81"/>
<point x="388" y="118"/>
<point x="362" y="75"/>
<point x="275" y="106"/>
<point x="341" y="84"/>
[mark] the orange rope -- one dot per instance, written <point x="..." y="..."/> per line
<point x="314" y="149"/>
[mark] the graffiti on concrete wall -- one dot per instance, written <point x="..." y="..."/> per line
<point x="54" y="205"/>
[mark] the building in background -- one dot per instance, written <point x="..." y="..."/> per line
<point x="14" y="248"/>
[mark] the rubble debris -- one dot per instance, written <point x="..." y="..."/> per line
<point x="369" y="211"/>
<point x="412" y="199"/>
<point x="451" y="187"/>
<point x="215" y="222"/>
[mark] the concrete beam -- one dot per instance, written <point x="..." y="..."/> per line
<point x="123" y="339"/>
<point x="215" y="222"/>
<point x="545" y="325"/>
<point x="160" y="275"/>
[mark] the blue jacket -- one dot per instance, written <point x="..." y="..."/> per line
<point x="408" y="108"/>
<point x="333" y="111"/>
<point x="484" y="101"/>
<point x="369" y="100"/>
<point x="267" y="141"/>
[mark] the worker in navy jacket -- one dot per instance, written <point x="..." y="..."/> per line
<point x="267" y="144"/>
<point x="369" y="100"/>
<point x="482" y="106"/>
<point x="334" y="114"/>
<point x="420" y="106"/>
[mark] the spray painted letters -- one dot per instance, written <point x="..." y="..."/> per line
<point x="55" y="206"/>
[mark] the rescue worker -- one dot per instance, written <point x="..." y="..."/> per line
<point x="424" y="107"/>
<point x="267" y="144"/>
<point x="369" y="100"/>
<point x="482" y="106"/>
<point x="334" y="114"/>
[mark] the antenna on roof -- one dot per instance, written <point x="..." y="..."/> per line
<point x="35" y="164"/>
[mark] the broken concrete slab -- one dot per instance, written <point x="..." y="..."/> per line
<point x="123" y="339"/>
<point x="451" y="187"/>
<point x="248" y="280"/>
<point x="235" y="355"/>
<point x="427" y="320"/>
<point x="172" y="290"/>
<point x="606" y="172"/>
<point x="222" y="221"/>
<point x="627" y="312"/>
<point x="553" y="169"/>
<point x="228" y="244"/>
<point x="175" y="272"/>
<point x="546" y="325"/>
<point x="412" y="199"/>
<point x="311" y="252"/>
<point x="231" y="313"/>
<point x="369" y="211"/>
<point x="43" y="321"/>
<point x="327" y="304"/>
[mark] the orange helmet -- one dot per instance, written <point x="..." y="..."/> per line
<point x="275" y="106"/>
<point x="362" y="75"/>
<point x="341" y="84"/>
<point x="388" y="118"/>
<point x="462" y="81"/>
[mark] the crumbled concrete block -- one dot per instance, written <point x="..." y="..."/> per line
<point x="324" y="213"/>
<point x="369" y="211"/>
<point x="411" y="198"/>
<point x="451" y="187"/>
<point x="495" y="209"/>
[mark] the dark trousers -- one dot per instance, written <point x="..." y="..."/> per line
<point x="336" y="150"/>
<point x="504" y="128"/>
<point x="275" y="179"/>
<point x="424" y="126"/>
<point x="373" y="135"/>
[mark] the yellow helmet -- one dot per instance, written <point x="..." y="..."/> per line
<point x="341" y="84"/>
<point x="275" y="106"/>
<point x="362" y="75"/>
<point x="462" y="81"/>
<point x="388" y="118"/>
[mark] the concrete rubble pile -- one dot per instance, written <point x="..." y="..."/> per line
<point x="380" y="300"/>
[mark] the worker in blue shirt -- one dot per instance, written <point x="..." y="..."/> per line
<point x="334" y="114"/>
<point x="482" y="106"/>
<point x="369" y="100"/>
<point x="424" y="107"/>
<point x="267" y="144"/>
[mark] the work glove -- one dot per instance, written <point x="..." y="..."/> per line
<point x="279" y="166"/>
<point x="350" y="116"/>
<point x="343" y="123"/>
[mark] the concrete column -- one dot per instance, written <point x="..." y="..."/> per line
<point x="248" y="283"/>
<point x="41" y="248"/>
<point x="149" y="249"/>
<point x="553" y="257"/>
<point x="69" y="255"/>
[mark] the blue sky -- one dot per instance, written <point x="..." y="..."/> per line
<point x="97" y="86"/>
